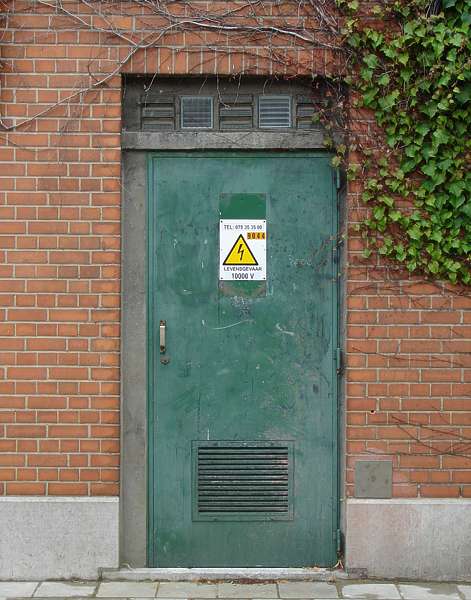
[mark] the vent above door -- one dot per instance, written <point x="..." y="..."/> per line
<point x="236" y="111"/>
<point x="304" y="114"/>
<point x="274" y="111"/>
<point x="158" y="113"/>
<point x="206" y="108"/>
<point x="196" y="112"/>
<point x="242" y="481"/>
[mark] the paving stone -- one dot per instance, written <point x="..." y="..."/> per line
<point x="186" y="589"/>
<point x="429" y="591"/>
<point x="127" y="589"/>
<point x="307" y="589"/>
<point x="56" y="589"/>
<point x="465" y="590"/>
<point x="371" y="591"/>
<point x="249" y="590"/>
<point x="19" y="589"/>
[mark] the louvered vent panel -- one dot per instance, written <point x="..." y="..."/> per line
<point x="250" y="480"/>
<point x="196" y="112"/>
<point x="274" y="111"/>
<point x="304" y="112"/>
<point x="158" y="113"/>
<point x="236" y="111"/>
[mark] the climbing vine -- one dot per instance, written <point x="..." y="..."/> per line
<point x="411" y="65"/>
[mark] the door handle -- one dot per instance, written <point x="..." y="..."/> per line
<point x="162" y="332"/>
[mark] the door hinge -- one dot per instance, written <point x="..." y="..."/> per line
<point x="339" y="542"/>
<point x="337" y="178"/>
<point x="339" y="360"/>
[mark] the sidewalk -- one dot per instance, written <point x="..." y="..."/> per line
<point x="318" y="590"/>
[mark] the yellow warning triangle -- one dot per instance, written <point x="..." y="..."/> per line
<point x="240" y="254"/>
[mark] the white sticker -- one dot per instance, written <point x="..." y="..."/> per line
<point x="242" y="250"/>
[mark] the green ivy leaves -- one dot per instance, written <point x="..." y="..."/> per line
<point x="416" y="77"/>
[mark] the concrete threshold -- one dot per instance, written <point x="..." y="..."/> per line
<point x="242" y="575"/>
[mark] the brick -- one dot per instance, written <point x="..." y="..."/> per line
<point x="397" y="317"/>
<point x="69" y="474"/>
<point x="422" y="462"/>
<point x="47" y="460"/>
<point x="421" y="346"/>
<point x="30" y="373"/>
<point x="439" y="491"/>
<point x="440" y="317"/>
<point x="29" y="431"/>
<point x="69" y="257"/>
<point x="26" y="488"/>
<point x="28" y="257"/>
<point x="68" y="431"/>
<point x="68" y="373"/>
<point x="440" y="375"/>
<point x="13" y="460"/>
<point x="68" y="315"/>
<point x="68" y="489"/>
<point x="420" y="404"/>
<point x="104" y="489"/>
<point x="107" y="460"/>
<point x="399" y="375"/>
<point x="7" y="474"/>
<point x="26" y="474"/>
<point x="460" y="476"/>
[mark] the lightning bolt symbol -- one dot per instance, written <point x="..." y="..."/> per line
<point x="241" y="252"/>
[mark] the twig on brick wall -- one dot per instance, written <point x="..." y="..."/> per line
<point x="326" y="17"/>
<point x="430" y="361"/>
<point x="459" y="445"/>
<point x="192" y="20"/>
<point x="464" y="442"/>
<point x="67" y="99"/>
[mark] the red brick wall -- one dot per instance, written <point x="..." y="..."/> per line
<point x="408" y="382"/>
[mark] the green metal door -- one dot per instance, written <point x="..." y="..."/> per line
<point x="242" y="374"/>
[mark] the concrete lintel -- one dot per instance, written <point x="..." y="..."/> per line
<point x="57" y="538"/>
<point x="198" y="140"/>
<point x="223" y="574"/>
<point x="410" y="538"/>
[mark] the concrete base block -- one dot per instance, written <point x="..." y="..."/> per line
<point x="420" y="538"/>
<point x="57" y="538"/>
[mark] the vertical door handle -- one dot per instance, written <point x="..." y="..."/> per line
<point x="162" y="331"/>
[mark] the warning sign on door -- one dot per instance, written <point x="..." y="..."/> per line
<point x="242" y="250"/>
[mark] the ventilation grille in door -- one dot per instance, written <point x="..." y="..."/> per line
<point x="274" y="111"/>
<point x="242" y="481"/>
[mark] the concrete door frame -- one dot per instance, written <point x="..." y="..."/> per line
<point x="135" y="146"/>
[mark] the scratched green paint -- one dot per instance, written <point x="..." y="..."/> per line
<point x="240" y="367"/>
